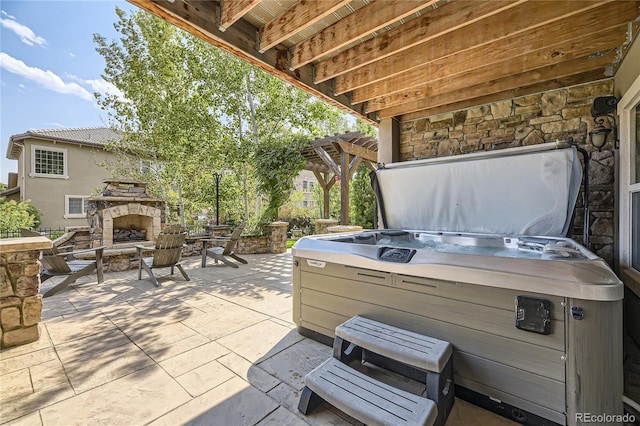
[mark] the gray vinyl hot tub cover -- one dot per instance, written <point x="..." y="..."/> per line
<point x="528" y="194"/>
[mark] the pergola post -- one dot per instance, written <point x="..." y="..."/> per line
<point x="339" y="156"/>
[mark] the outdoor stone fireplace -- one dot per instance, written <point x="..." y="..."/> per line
<point x="124" y="215"/>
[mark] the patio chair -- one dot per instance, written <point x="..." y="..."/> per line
<point x="224" y="249"/>
<point x="56" y="248"/>
<point x="166" y="254"/>
<point x="58" y="261"/>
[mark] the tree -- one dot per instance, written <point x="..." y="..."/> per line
<point x="277" y="164"/>
<point x="17" y="214"/>
<point x="188" y="109"/>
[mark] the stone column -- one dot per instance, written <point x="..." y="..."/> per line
<point x="278" y="237"/>
<point x="20" y="303"/>
<point x="323" y="224"/>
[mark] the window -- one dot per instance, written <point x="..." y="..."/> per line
<point x="304" y="185"/>
<point x="629" y="113"/>
<point x="75" y="206"/>
<point x="48" y="162"/>
<point x="310" y="186"/>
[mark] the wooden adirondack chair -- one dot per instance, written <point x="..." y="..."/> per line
<point x="166" y="254"/>
<point x="223" y="248"/>
<point x="55" y="264"/>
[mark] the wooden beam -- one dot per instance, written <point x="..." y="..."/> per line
<point x="509" y="94"/>
<point x="362" y="22"/>
<point x="314" y="167"/>
<point x="232" y="10"/>
<point x="353" y="165"/>
<point x="327" y="160"/>
<point x="302" y="15"/>
<point x="515" y="30"/>
<point x="361" y="152"/>
<point x="443" y="20"/>
<point x="456" y="89"/>
<point x="524" y="59"/>
<point x="326" y="183"/>
<point x="198" y="18"/>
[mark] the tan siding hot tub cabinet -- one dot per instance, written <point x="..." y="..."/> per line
<point x="553" y="376"/>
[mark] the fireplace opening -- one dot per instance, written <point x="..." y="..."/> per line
<point x="131" y="228"/>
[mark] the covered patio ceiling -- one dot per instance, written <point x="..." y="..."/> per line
<point x="406" y="58"/>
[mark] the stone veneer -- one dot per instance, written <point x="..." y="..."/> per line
<point x="528" y="120"/>
<point x="20" y="303"/>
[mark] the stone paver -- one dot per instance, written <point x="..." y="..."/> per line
<point x="221" y="349"/>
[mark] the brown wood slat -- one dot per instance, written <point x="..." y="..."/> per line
<point x="497" y="38"/>
<point x="429" y="26"/>
<point x="364" y="21"/>
<point x="452" y="90"/>
<point x="232" y="10"/>
<point x="455" y="66"/>
<point x="303" y="14"/>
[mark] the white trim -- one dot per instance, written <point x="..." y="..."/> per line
<point x="68" y="215"/>
<point x="64" y="175"/>
<point x="626" y="112"/>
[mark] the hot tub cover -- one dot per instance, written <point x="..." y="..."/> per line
<point x="526" y="194"/>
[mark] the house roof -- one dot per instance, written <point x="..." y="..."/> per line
<point x="407" y="59"/>
<point x="92" y="136"/>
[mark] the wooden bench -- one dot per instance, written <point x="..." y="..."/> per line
<point x="363" y="397"/>
<point x="414" y="355"/>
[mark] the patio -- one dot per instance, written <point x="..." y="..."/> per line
<point x="219" y="349"/>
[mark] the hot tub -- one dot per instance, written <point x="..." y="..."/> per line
<point x="535" y="319"/>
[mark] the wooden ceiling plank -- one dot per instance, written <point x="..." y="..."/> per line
<point x="461" y="64"/>
<point x="302" y="15"/>
<point x="199" y="19"/>
<point x="232" y="10"/>
<point x="362" y="22"/>
<point x="441" y="87"/>
<point x="528" y="20"/>
<point x="443" y="20"/>
<point x="449" y="92"/>
<point x="587" y="77"/>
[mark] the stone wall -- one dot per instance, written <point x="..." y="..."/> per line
<point x="20" y="303"/>
<point x="124" y="257"/>
<point x="528" y="120"/>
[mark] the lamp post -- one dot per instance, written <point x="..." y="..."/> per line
<point x="217" y="175"/>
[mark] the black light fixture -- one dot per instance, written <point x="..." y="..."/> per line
<point x="602" y="109"/>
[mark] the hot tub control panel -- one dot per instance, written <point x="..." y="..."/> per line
<point x="395" y="254"/>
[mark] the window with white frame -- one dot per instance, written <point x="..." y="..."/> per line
<point x="629" y="112"/>
<point x="75" y="206"/>
<point x="48" y="162"/>
<point x="304" y="185"/>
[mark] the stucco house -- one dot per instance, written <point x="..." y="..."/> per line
<point x="58" y="170"/>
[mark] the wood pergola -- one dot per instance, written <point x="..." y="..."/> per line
<point x="339" y="156"/>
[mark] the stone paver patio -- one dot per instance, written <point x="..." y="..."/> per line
<point x="220" y="349"/>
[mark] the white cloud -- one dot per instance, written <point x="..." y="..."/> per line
<point x="105" y="87"/>
<point x="27" y="36"/>
<point x="47" y="79"/>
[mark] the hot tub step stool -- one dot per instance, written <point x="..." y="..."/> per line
<point x="363" y="397"/>
<point x="412" y="354"/>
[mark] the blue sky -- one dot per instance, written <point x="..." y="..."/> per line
<point x="49" y="68"/>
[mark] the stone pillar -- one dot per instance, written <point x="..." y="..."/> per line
<point x="323" y="224"/>
<point x="20" y="303"/>
<point x="278" y="237"/>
